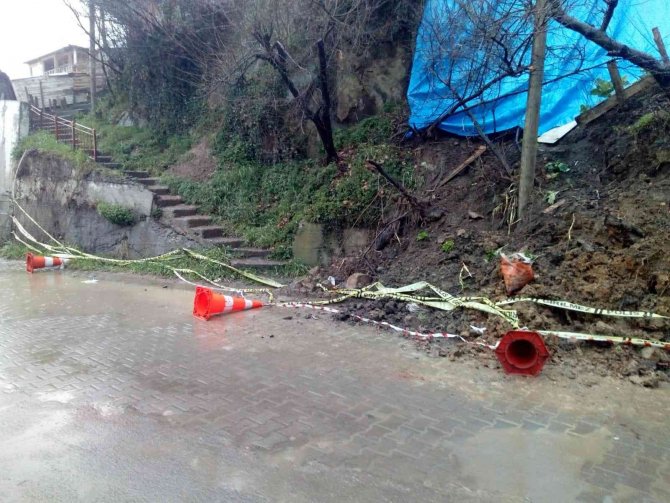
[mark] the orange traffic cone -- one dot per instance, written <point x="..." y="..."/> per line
<point x="38" y="262"/>
<point x="207" y="303"/>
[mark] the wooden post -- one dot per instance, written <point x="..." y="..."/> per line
<point x="74" y="146"/>
<point x="56" y="126"/>
<point x="616" y="80"/>
<point x="42" y="95"/>
<point x="530" y="130"/>
<point x="661" y="46"/>
<point x="95" y="146"/>
<point x="41" y="118"/>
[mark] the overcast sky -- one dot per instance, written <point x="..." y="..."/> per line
<point x="31" y="28"/>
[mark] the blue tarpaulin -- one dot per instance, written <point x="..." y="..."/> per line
<point x="502" y="107"/>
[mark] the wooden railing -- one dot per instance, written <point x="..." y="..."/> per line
<point x="69" y="132"/>
<point x="61" y="70"/>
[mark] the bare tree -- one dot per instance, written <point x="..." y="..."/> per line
<point x="301" y="41"/>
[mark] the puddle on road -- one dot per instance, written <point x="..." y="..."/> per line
<point x="55" y="396"/>
<point x="539" y="465"/>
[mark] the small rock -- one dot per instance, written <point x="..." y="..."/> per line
<point x="474" y="215"/>
<point x="358" y="280"/>
<point x="461" y="232"/>
<point x="601" y="327"/>
<point x="647" y="353"/>
<point x="314" y="271"/>
<point x="648" y="381"/>
<point x="632" y="368"/>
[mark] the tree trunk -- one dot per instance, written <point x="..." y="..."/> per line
<point x="324" y="123"/>
<point x="529" y="148"/>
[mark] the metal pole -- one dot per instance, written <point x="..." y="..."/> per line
<point x="91" y="51"/>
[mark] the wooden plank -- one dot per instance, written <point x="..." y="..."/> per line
<point x="607" y="105"/>
<point x="458" y="169"/>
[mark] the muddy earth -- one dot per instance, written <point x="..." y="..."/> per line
<point x="598" y="236"/>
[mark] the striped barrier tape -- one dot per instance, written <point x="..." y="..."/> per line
<point x="617" y="340"/>
<point x="405" y="332"/>
<point x="443" y="300"/>
<point x="569" y="306"/>
<point x="66" y="252"/>
<point x="572" y="336"/>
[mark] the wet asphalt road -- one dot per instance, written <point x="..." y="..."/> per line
<point x="111" y="391"/>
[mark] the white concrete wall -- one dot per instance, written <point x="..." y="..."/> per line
<point x="133" y="196"/>
<point x="14" y="125"/>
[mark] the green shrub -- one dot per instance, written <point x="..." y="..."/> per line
<point x="448" y="245"/>
<point x="422" y="235"/>
<point x="266" y="203"/>
<point x="117" y="214"/>
<point x="376" y="129"/>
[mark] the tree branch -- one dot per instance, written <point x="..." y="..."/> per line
<point x="607" y="18"/>
<point x="645" y="61"/>
<point x="421" y="207"/>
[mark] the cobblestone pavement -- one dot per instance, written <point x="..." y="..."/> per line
<point x="113" y="392"/>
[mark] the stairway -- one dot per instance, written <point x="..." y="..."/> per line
<point x="186" y="219"/>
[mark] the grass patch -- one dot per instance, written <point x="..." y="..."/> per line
<point x="373" y="130"/>
<point x="136" y="148"/>
<point x="13" y="250"/>
<point x="45" y="142"/>
<point x="266" y="203"/>
<point x="117" y="213"/>
<point x="650" y="121"/>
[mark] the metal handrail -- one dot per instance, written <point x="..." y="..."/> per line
<point x="66" y="131"/>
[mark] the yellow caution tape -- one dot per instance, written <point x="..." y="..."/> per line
<point x="444" y="301"/>
<point x="562" y="304"/>
<point x="633" y="341"/>
<point x="62" y="251"/>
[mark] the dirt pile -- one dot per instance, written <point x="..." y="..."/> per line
<point x="602" y="243"/>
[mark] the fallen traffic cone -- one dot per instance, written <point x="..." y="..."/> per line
<point x="38" y="262"/>
<point x="207" y="303"/>
<point x="522" y="352"/>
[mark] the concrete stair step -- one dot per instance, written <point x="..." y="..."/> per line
<point x="209" y="231"/>
<point x="233" y="243"/>
<point x="195" y="221"/>
<point x="104" y="158"/>
<point x="257" y="263"/>
<point x="148" y="181"/>
<point x="165" y="201"/>
<point x="183" y="210"/>
<point x="251" y="252"/>
<point x="137" y="174"/>
<point x="161" y="190"/>
<point x="110" y="165"/>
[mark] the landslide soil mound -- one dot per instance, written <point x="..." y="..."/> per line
<point x="604" y="244"/>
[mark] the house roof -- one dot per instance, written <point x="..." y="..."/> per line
<point x="67" y="48"/>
